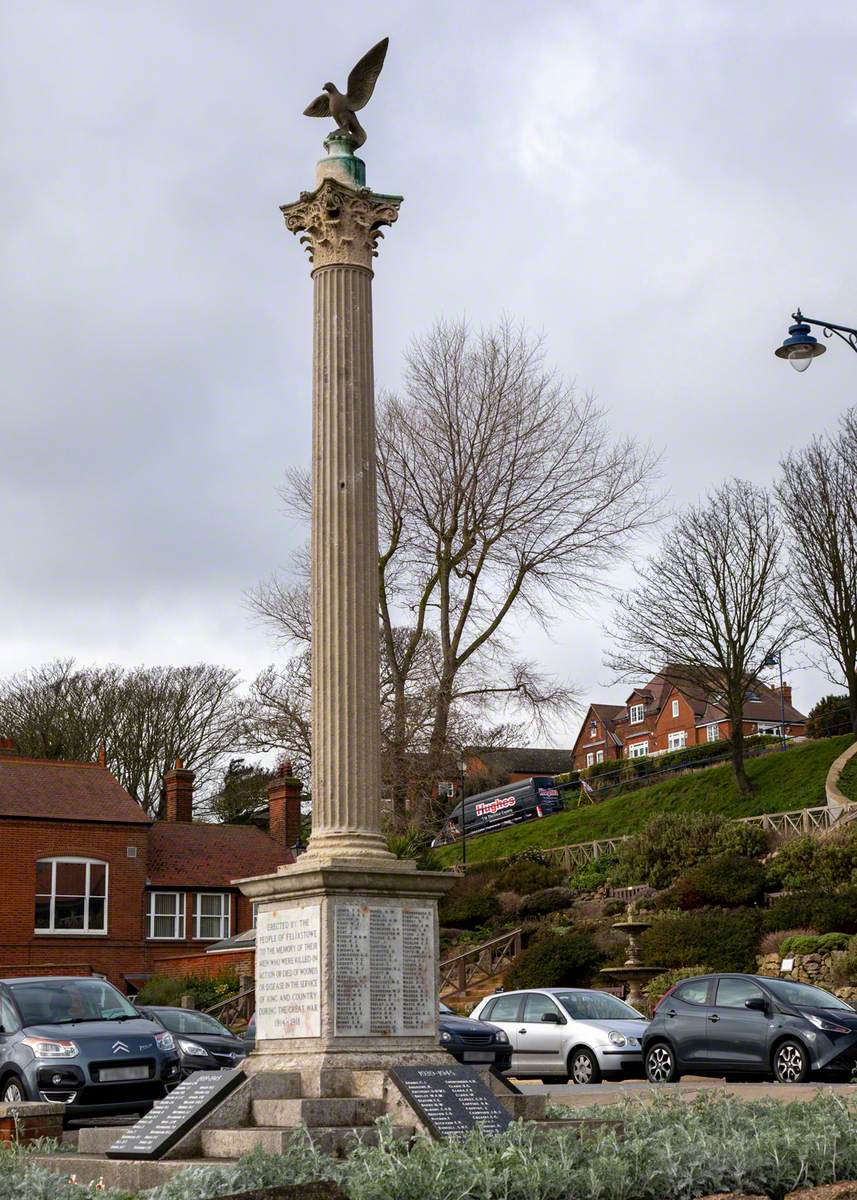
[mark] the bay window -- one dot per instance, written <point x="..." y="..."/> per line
<point x="638" y="750"/>
<point x="677" y="740"/>
<point x="71" y="895"/>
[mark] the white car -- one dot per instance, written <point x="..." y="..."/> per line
<point x="575" y="1034"/>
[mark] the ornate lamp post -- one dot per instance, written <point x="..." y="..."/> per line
<point x="800" y="347"/>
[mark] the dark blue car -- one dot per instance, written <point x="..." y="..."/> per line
<point x="741" y="1026"/>
<point x="78" y="1041"/>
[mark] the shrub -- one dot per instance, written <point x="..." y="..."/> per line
<point x="467" y="912"/>
<point x="729" y="880"/>
<point x="740" y="837"/>
<point x="558" y="960"/>
<point x="828" y="717"/>
<point x="771" y="942"/>
<point x="827" y="913"/>
<point x="666" y="847"/>
<point x="162" y="989"/>
<point x="807" y="863"/>
<point x="526" y="876"/>
<point x="812" y="943"/>
<point x="414" y="844"/>
<point x="549" y="900"/>
<point x="843" y="968"/>
<point x="726" y="939"/>
<point x="595" y="874"/>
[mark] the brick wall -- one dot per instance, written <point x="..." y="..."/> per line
<point x="114" y="954"/>
<point x="209" y="966"/>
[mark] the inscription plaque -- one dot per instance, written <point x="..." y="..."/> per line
<point x="451" y="1101"/>
<point x="385" y="970"/>
<point x="174" y="1116"/>
<point x="288" y="972"/>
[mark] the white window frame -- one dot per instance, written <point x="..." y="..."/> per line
<point x="677" y="740"/>
<point x="712" y="732"/>
<point x="675" y="708"/>
<point x="637" y="714"/>
<point x="638" y="750"/>
<point x="766" y="728"/>
<point x="52" y="931"/>
<point x="599" y="756"/>
<point x="590" y="759"/>
<point x="178" y="916"/>
<point x="593" y="728"/>
<point x="224" y="917"/>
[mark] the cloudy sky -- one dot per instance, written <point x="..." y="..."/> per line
<point x="653" y="186"/>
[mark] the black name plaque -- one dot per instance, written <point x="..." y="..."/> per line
<point x="174" y="1116"/>
<point x="451" y="1101"/>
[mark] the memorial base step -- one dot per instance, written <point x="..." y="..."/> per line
<point x="340" y="1110"/>
<point x="334" y="1140"/>
<point x="128" y="1176"/>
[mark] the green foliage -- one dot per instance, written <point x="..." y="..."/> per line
<point x="594" y="874"/>
<point x="808" y="943"/>
<point x="828" y="717"/>
<point x="781" y="782"/>
<point x="727" y="939"/>
<point x="843" y="968"/>
<point x="806" y="862"/>
<point x="557" y="960"/>
<point x="525" y="877"/>
<point x="162" y="989"/>
<point x="470" y="902"/>
<point x="550" y="900"/>
<point x="666" y="847"/>
<point x="827" y="913"/>
<point x="739" y="837"/>
<point x="414" y="844"/>
<point x="661" y="984"/>
<point x="728" y="880"/>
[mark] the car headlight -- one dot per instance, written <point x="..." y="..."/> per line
<point x="51" y="1048"/>
<point x="444" y="1036"/>
<point x="191" y="1048"/>
<point x="165" y="1041"/>
<point x="500" y="1036"/>
<point x="827" y="1026"/>
<point x="618" y="1039"/>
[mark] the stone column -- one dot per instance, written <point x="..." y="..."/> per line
<point x="340" y="222"/>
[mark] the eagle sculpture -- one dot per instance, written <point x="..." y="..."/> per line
<point x="361" y="84"/>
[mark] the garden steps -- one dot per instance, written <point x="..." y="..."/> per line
<point x="353" y="1111"/>
<point x="124" y="1175"/>
<point x="335" y="1140"/>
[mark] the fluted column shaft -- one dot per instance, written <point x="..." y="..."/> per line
<point x="345" y="708"/>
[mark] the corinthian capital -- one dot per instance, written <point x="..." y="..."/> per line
<point x="341" y="225"/>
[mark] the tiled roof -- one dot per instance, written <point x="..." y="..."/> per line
<point x="193" y="854"/>
<point x="522" y="759"/>
<point x="65" y="791"/>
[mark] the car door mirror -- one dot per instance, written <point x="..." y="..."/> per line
<point x="756" y="1003"/>
<point x="551" y="1018"/>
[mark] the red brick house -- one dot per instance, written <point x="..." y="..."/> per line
<point x="92" y="884"/>
<point x="669" y="712"/>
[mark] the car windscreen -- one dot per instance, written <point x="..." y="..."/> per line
<point x="181" y="1021"/>
<point x="63" y="1001"/>
<point x="596" y="1006"/>
<point x="804" y="995"/>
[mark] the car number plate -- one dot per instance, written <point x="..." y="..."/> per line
<point x="113" y="1074"/>
<point x="478" y="1056"/>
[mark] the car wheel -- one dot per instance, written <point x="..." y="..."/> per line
<point x="660" y="1064"/>
<point x="583" y="1067"/>
<point x="13" y="1091"/>
<point x="791" y="1064"/>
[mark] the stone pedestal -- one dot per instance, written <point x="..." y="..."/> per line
<point x="347" y="941"/>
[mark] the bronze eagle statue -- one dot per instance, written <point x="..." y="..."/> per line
<point x="361" y="84"/>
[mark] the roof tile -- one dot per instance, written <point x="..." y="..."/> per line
<point x="67" y="791"/>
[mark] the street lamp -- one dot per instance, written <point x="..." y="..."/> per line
<point x="774" y="659"/>
<point x="462" y="769"/>
<point x="800" y="347"/>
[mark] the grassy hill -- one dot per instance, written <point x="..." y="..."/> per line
<point x="781" y="782"/>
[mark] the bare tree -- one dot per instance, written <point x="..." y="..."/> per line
<point x="818" y="499"/>
<point x="145" y="718"/>
<point x="711" y="605"/>
<point x="500" y="491"/>
<point x="277" y="715"/>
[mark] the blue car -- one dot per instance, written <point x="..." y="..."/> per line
<point x="79" y="1042"/>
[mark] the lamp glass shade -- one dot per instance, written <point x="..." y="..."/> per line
<point x="800" y="347"/>
<point x="799" y="361"/>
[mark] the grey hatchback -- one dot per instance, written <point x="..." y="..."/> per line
<point x="78" y="1041"/>
<point x="745" y="1025"/>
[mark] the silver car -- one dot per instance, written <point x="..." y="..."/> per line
<point x="574" y="1034"/>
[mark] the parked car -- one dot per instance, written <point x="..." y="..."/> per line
<point x="466" y="1039"/>
<point x="471" y="1041"/>
<point x="575" y="1034"/>
<point x="506" y="805"/>
<point x="750" y="1025"/>
<point x="78" y="1041"/>
<point x="203" y="1043"/>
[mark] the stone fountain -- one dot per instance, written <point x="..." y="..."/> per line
<point x="632" y="972"/>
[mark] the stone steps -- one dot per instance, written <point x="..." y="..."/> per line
<point x="353" y="1111"/>
<point x="334" y="1140"/>
<point x="126" y="1176"/>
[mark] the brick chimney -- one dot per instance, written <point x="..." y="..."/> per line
<point x="7" y="747"/>
<point x="284" y="806"/>
<point x="787" y="692"/>
<point x="178" y="793"/>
